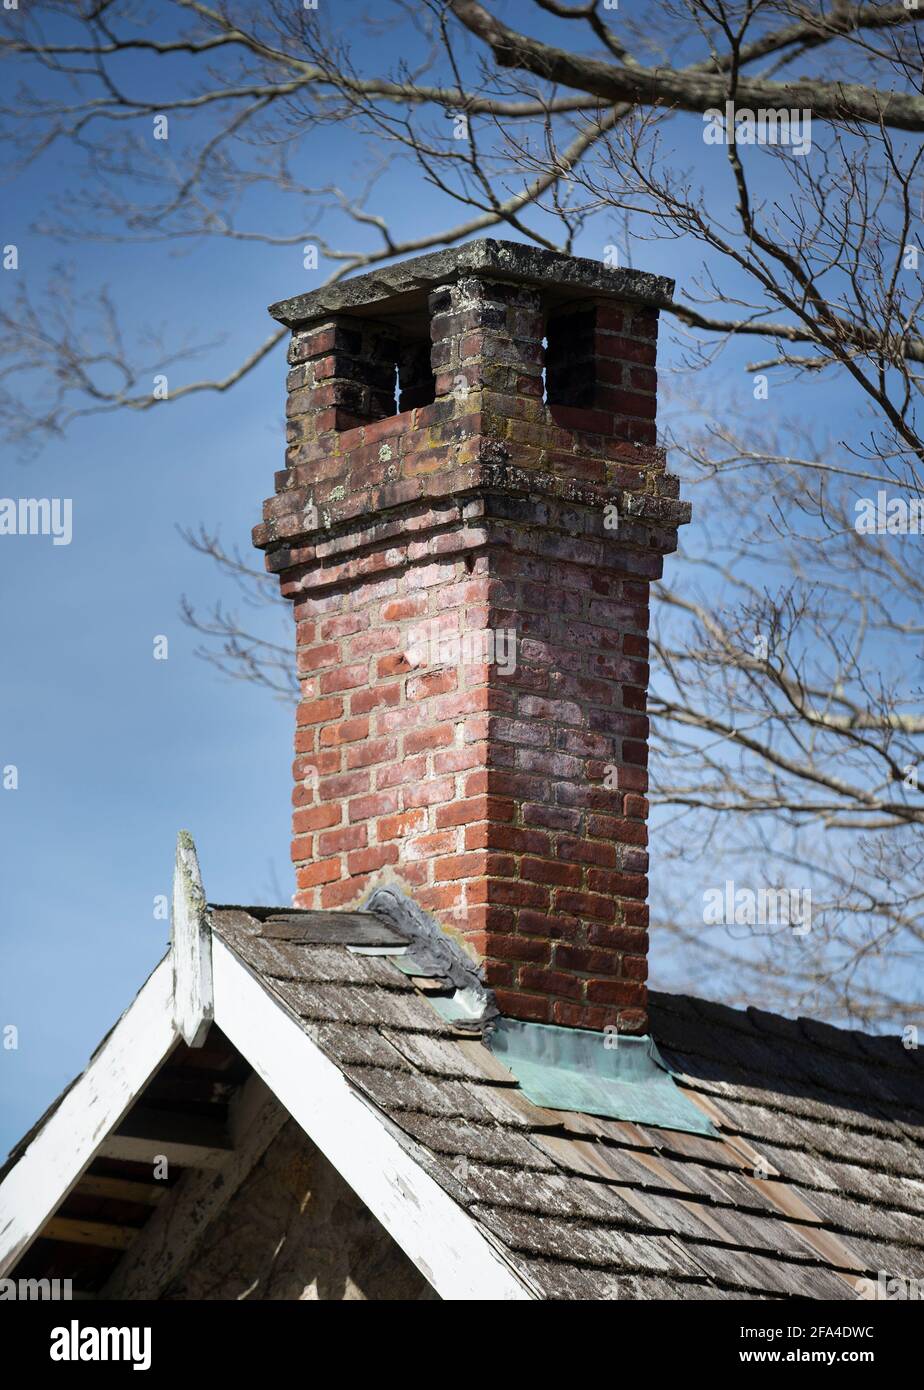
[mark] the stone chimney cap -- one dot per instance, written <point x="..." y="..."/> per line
<point x="402" y="289"/>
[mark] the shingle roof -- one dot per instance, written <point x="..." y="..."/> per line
<point x="816" y="1178"/>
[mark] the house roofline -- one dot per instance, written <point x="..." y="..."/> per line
<point x="382" y="1166"/>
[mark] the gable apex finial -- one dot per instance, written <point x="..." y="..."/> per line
<point x="190" y="947"/>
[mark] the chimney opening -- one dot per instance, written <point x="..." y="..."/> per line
<point x="416" y="384"/>
<point x="385" y="373"/>
<point x="570" y="374"/>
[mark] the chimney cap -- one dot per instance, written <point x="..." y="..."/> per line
<point x="402" y="289"/>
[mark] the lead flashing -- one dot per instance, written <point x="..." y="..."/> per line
<point x="609" y="1074"/>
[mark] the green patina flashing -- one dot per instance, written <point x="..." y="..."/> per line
<point x="623" y="1078"/>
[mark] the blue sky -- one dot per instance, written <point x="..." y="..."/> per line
<point x="115" y="750"/>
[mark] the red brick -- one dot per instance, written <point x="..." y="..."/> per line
<point x="348" y="891"/>
<point x="316" y="817"/>
<point x="429" y="794"/>
<point x="345" y="678"/>
<point x="619" y="885"/>
<point x="497" y="973"/>
<point x="377" y="697"/>
<point x="440" y="897"/>
<point x="585" y="905"/>
<point x="551" y="926"/>
<point x="399" y="773"/>
<point x="475" y="808"/>
<point x="318" y="711"/>
<point x="618" y="938"/>
<point x="615" y="992"/>
<point x="312" y="658"/>
<point x="457" y="759"/>
<point x="609" y="319"/>
<point x="363" y="861"/>
<point x="345" y="784"/>
<point x="531" y="1008"/>
<point x="369" y="807"/>
<point x="490" y="917"/>
<point x="635" y="967"/>
<point x="394" y="827"/>
<point x="380" y="639"/>
<point x="634" y="752"/>
<point x="302" y="848"/>
<point x="435" y="683"/>
<point x="321" y="871"/>
<point x="373" y="750"/>
<point x="343" y="625"/>
<point x="439" y="842"/>
<point x="395" y="663"/>
<point x="581" y="1016"/>
<point x="584" y="960"/>
<point x="350" y="731"/>
<point x="343" y="838"/>
<point x="398" y="609"/>
<point x="551" y="982"/>
<point x="490" y="835"/>
<point x="510" y="891"/>
<point x="420" y="740"/>
<point x="598" y="852"/>
<point x="546" y="871"/>
<point x="475" y="865"/>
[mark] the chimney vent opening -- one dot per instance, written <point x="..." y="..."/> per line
<point x="570" y="358"/>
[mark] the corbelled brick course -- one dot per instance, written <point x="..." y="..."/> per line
<point x="507" y="795"/>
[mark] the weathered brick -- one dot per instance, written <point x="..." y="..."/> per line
<point x="487" y="791"/>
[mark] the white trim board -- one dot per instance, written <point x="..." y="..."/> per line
<point x="70" y="1138"/>
<point x="456" y="1256"/>
<point x="443" y="1241"/>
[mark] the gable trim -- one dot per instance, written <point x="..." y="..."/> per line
<point x="442" y="1240"/>
<point x="71" y="1137"/>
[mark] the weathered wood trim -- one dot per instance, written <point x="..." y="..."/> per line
<point x="172" y="1232"/>
<point x="191" y="941"/>
<point x="68" y="1141"/>
<point x="446" y="1245"/>
<point x="78" y="1231"/>
<point x="132" y="1148"/>
<point x="145" y="1194"/>
<point x="157" y="1127"/>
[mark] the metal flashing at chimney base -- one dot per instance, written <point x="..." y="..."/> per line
<point x="619" y="1077"/>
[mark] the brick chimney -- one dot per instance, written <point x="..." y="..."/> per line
<point x="472" y="511"/>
